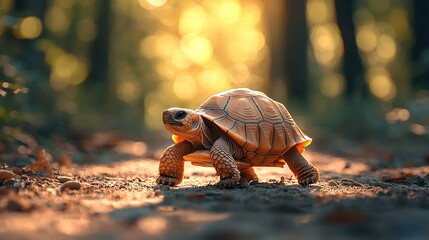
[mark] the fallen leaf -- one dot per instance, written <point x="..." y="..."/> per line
<point x="41" y="165"/>
<point x="6" y="175"/>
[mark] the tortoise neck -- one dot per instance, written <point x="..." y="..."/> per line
<point x="200" y="136"/>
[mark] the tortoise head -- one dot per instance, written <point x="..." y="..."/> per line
<point x="181" y="121"/>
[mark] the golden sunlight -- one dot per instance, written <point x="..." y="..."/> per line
<point x="66" y="69"/>
<point x="327" y="44"/>
<point x="185" y="87"/>
<point x="318" y="12"/>
<point x="192" y="20"/>
<point x="325" y="37"/>
<point x="28" y="28"/>
<point x="332" y="85"/>
<point x="198" y="49"/>
<point x="386" y="47"/>
<point x="157" y="3"/>
<point x="381" y="85"/>
<point x="128" y="91"/>
<point x="203" y="45"/>
<point x="228" y="11"/>
<point x="56" y="19"/>
<point x="366" y="38"/>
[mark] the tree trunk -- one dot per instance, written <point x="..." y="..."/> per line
<point x="296" y="39"/>
<point x="288" y="36"/>
<point x="352" y="64"/>
<point x="420" y="51"/>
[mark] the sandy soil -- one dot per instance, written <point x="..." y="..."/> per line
<point x="122" y="201"/>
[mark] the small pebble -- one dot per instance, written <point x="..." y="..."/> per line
<point x="282" y="179"/>
<point x="158" y="193"/>
<point x="351" y="182"/>
<point x="12" y="184"/>
<point x="332" y="183"/>
<point x="72" y="185"/>
<point x="347" y="165"/>
<point x="63" y="179"/>
<point x="6" y="175"/>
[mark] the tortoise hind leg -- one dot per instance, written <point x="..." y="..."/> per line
<point x="248" y="174"/>
<point x="305" y="172"/>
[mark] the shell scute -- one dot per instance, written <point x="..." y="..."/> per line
<point x="265" y="138"/>
<point x="279" y="139"/>
<point x="225" y="121"/>
<point x="252" y="137"/>
<point x="284" y="113"/>
<point x="243" y="108"/>
<point x="237" y="132"/>
<point x="269" y="111"/>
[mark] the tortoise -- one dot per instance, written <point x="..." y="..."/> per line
<point x="233" y="131"/>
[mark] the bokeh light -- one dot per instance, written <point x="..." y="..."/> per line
<point x="380" y="84"/>
<point x="228" y="11"/>
<point x="332" y="85"/>
<point x="129" y="91"/>
<point x="28" y="28"/>
<point x="67" y="69"/>
<point x="381" y="31"/>
<point x="366" y="38"/>
<point x="185" y="87"/>
<point x="327" y="46"/>
<point x="57" y="20"/>
<point x="200" y="48"/>
<point x="192" y="20"/>
<point x="318" y="12"/>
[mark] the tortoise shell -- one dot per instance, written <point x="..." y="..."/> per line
<point x="261" y="126"/>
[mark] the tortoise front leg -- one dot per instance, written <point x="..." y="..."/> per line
<point x="224" y="164"/>
<point x="305" y="172"/>
<point x="171" y="164"/>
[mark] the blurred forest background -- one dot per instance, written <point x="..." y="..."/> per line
<point x="352" y="69"/>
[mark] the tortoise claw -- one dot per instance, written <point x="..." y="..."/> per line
<point x="309" y="177"/>
<point x="166" y="180"/>
<point x="228" y="182"/>
<point x="243" y="183"/>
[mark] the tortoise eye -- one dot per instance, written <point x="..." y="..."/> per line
<point x="180" y="115"/>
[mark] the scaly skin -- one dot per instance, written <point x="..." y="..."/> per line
<point x="224" y="164"/>
<point x="248" y="174"/>
<point x="304" y="171"/>
<point x="171" y="164"/>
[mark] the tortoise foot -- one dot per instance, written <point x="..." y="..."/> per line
<point x="229" y="182"/>
<point x="248" y="175"/>
<point x="167" y="180"/>
<point x="309" y="176"/>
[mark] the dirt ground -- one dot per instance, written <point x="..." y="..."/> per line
<point x="120" y="200"/>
